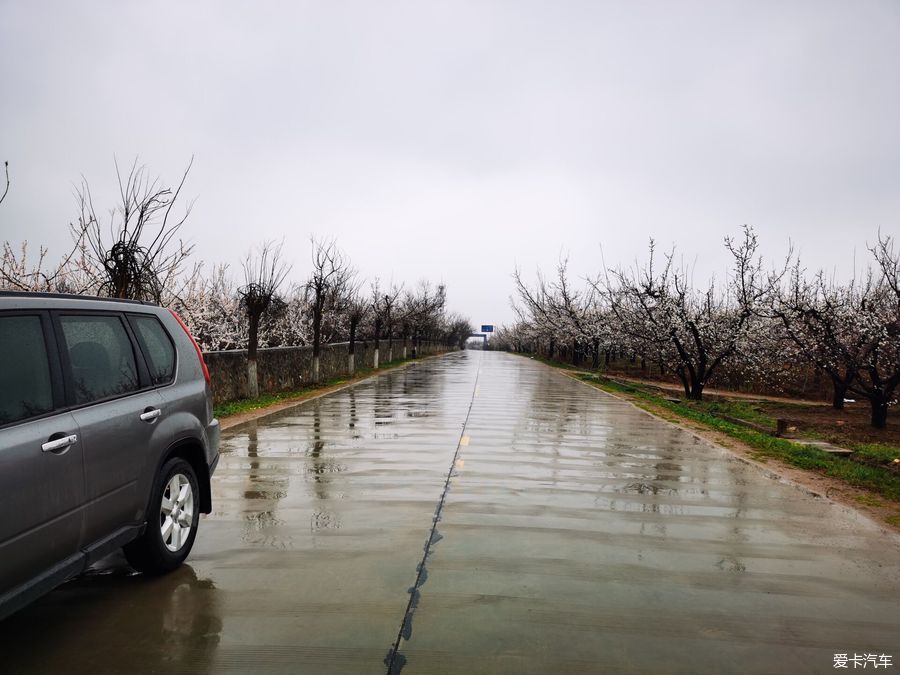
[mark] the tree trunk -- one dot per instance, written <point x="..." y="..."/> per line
<point x="351" y="349"/>
<point x="838" y="395"/>
<point x="252" y="342"/>
<point x="684" y="382"/>
<point x="696" y="392"/>
<point x="375" y="357"/>
<point x="595" y="346"/>
<point x="252" y="380"/>
<point x="317" y="331"/>
<point x="317" y="340"/>
<point x="879" y="411"/>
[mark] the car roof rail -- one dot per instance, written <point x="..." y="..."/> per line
<point x="71" y="296"/>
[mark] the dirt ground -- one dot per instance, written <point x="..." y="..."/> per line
<point x="841" y="427"/>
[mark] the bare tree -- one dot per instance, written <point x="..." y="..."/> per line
<point x="579" y="315"/>
<point x="690" y="332"/>
<point x="880" y="375"/>
<point x="421" y="313"/>
<point x="357" y="309"/>
<point x="384" y="303"/>
<point x="817" y="318"/>
<point x="264" y="272"/>
<point x="851" y="331"/>
<point x="137" y="254"/>
<point x="455" y="330"/>
<point x="540" y="309"/>
<point x="329" y="279"/>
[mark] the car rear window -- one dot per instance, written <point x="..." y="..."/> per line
<point x="101" y="356"/>
<point x="25" y="388"/>
<point x="157" y="347"/>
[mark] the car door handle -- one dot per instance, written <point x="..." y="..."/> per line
<point x="59" y="443"/>
<point x="150" y="415"/>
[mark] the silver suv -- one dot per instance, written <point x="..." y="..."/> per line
<point x="107" y="439"/>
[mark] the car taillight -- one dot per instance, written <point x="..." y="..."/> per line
<point x="193" y="342"/>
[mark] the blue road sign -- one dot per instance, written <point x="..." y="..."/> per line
<point x="487" y="329"/>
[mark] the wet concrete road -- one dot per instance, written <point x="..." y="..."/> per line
<point x="574" y="533"/>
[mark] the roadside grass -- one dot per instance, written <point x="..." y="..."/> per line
<point x="243" y="405"/>
<point x="877" y="451"/>
<point x="742" y="410"/>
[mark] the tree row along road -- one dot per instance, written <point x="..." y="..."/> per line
<point x="771" y="329"/>
<point x="481" y="512"/>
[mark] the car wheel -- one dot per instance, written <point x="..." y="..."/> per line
<point x="171" y="521"/>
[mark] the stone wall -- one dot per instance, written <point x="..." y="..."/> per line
<point x="290" y="368"/>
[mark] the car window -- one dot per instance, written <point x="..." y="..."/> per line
<point x="100" y="355"/>
<point x="157" y="347"/>
<point x="25" y="389"/>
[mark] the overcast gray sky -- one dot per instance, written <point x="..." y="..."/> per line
<point x="454" y="140"/>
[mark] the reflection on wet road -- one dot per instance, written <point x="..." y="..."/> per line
<point x="557" y="529"/>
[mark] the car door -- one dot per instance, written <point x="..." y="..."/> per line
<point x="117" y="412"/>
<point x="42" y="492"/>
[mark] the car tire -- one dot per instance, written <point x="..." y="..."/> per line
<point x="172" y="520"/>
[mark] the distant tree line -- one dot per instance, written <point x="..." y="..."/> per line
<point x="759" y="323"/>
<point x="135" y="251"/>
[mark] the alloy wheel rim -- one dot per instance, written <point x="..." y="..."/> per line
<point x="176" y="514"/>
